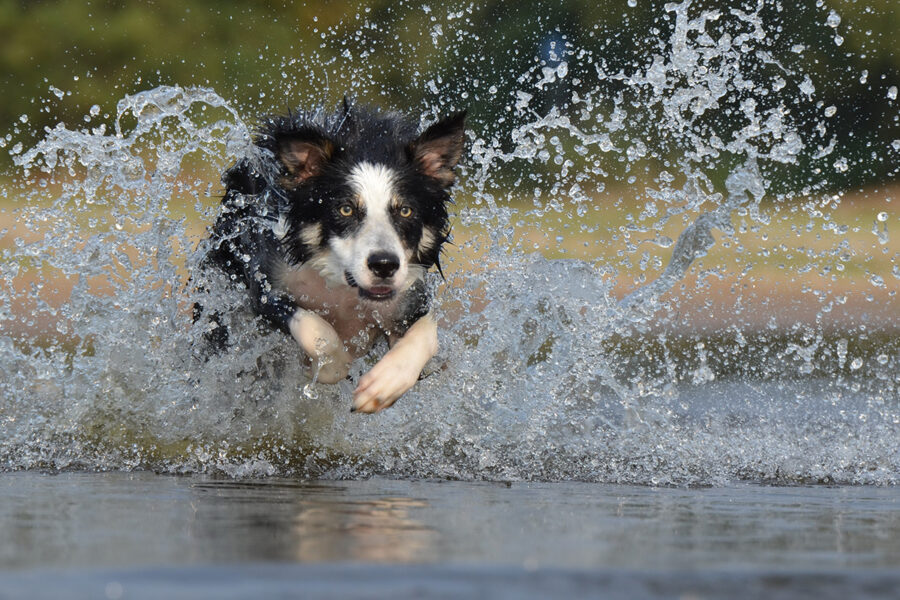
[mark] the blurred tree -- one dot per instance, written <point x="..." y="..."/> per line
<point x="60" y="57"/>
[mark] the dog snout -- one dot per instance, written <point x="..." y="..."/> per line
<point x="383" y="264"/>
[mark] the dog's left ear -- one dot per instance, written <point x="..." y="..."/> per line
<point x="440" y="147"/>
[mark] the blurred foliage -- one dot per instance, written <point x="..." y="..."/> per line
<point x="58" y="58"/>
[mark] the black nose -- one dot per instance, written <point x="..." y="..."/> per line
<point x="383" y="264"/>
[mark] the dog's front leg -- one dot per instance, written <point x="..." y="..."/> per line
<point x="399" y="369"/>
<point x="322" y="344"/>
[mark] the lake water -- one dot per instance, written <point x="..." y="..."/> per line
<point x="141" y="535"/>
<point x="656" y="283"/>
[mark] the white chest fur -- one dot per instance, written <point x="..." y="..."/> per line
<point x="357" y="321"/>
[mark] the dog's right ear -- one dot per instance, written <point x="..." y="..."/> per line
<point x="303" y="156"/>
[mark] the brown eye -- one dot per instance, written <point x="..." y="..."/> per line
<point x="405" y="212"/>
<point x="346" y="210"/>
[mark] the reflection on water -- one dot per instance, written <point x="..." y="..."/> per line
<point x="307" y="522"/>
<point x="375" y="531"/>
<point x="115" y="520"/>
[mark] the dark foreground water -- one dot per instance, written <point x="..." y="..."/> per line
<point x="140" y="535"/>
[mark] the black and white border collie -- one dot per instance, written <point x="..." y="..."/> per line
<point x="331" y="228"/>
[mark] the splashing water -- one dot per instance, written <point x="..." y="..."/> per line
<point x="547" y="370"/>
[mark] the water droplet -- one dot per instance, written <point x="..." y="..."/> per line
<point x="807" y="86"/>
<point x="892" y="92"/>
<point x="436" y="32"/>
<point x="856" y="363"/>
<point x="881" y="232"/>
<point x="841" y="348"/>
<point x="309" y="391"/>
<point x="830" y="111"/>
<point x="833" y="19"/>
<point x="882" y="216"/>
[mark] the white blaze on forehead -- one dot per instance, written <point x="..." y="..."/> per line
<point x="375" y="189"/>
<point x="374" y="186"/>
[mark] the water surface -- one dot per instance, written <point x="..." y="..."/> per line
<point x="156" y="534"/>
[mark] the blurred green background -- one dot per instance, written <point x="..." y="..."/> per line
<point x="71" y="62"/>
<point x="59" y="58"/>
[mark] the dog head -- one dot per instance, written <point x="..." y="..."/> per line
<point x="366" y="196"/>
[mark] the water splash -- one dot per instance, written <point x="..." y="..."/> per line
<point x="544" y="373"/>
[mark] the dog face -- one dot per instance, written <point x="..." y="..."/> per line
<point x="371" y="241"/>
<point x="366" y="197"/>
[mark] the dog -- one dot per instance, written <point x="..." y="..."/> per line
<point x="331" y="227"/>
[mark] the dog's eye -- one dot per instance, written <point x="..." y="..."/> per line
<point x="346" y="210"/>
<point x="405" y="212"/>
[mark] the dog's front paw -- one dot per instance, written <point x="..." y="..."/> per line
<point x="389" y="379"/>
<point x="331" y="361"/>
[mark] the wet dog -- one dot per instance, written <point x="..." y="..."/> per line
<point x="331" y="228"/>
